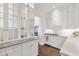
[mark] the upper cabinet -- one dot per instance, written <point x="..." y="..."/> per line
<point x="13" y="21"/>
<point x="1" y="20"/>
<point x="1" y="15"/>
<point x="16" y="21"/>
<point x="23" y="20"/>
<point x="65" y="16"/>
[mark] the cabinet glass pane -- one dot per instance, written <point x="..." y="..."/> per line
<point x="1" y="23"/>
<point x="1" y="9"/>
<point x="23" y="21"/>
<point x="12" y="34"/>
<point x="1" y="35"/>
<point x="1" y="17"/>
<point x="1" y="14"/>
<point x="10" y="5"/>
<point x="15" y="13"/>
<point x="12" y="22"/>
<point x="1" y="20"/>
<point x="15" y="6"/>
<point x="1" y="4"/>
<point x="10" y="11"/>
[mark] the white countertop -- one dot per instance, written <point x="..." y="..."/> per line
<point x="15" y="42"/>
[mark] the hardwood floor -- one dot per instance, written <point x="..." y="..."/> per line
<point x="46" y="50"/>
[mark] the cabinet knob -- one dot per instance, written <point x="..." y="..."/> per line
<point x="6" y="54"/>
<point x="31" y="45"/>
<point x="22" y="36"/>
<point x="1" y="40"/>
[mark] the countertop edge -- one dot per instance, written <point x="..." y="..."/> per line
<point x="15" y="42"/>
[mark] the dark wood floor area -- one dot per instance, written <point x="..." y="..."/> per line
<point x="46" y="50"/>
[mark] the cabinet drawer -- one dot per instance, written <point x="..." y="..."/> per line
<point x="14" y="50"/>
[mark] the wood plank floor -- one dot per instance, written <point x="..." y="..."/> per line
<point x="46" y="50"/>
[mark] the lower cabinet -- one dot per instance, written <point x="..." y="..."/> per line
<point x="14" y="50"/>
<point x="55" y="41"/>
<point x="24" y="49"/>
<point x="30" y="48"/>
<point x="3" y="52"/>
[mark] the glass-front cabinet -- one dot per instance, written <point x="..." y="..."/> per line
<point x="16" y="21"/>
<point x="1" y="20"/>
<point x="13" y="21"/>
<point x="23" y="20"/>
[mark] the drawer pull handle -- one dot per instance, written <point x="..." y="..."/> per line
<point x="31" y="45"/>
<point x="6" y="54"/>
<point x="47" y="38"/>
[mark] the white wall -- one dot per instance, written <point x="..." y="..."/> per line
<point x="69" y="14"/>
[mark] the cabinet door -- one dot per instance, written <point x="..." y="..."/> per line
<point x="2" y="52"/>
<point x="53" y="40"/>
<point x="26" y="49"/>
<point x="14" y="50"/>
<point x="56" y="41"/>
<point x="30" y="48"/>
<point x="35" y="48"/>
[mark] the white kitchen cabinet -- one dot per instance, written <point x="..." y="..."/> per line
<point x="3" y="52"/>
<point x="24" y="49"/>
<point x="34" y="48"/>
<point x="14" y="50"/>
<point x="55" y="41"/>
<point x="15" y="21"/>
<point x="30" y="48"/>
<point x="23" y="21"/>
<point x="11" y="51"/>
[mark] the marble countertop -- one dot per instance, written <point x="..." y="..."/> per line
<point x="55" y="35"/>
<point x="15" y="42"/>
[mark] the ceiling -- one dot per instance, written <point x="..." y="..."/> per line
<point x="43" y="8"/>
